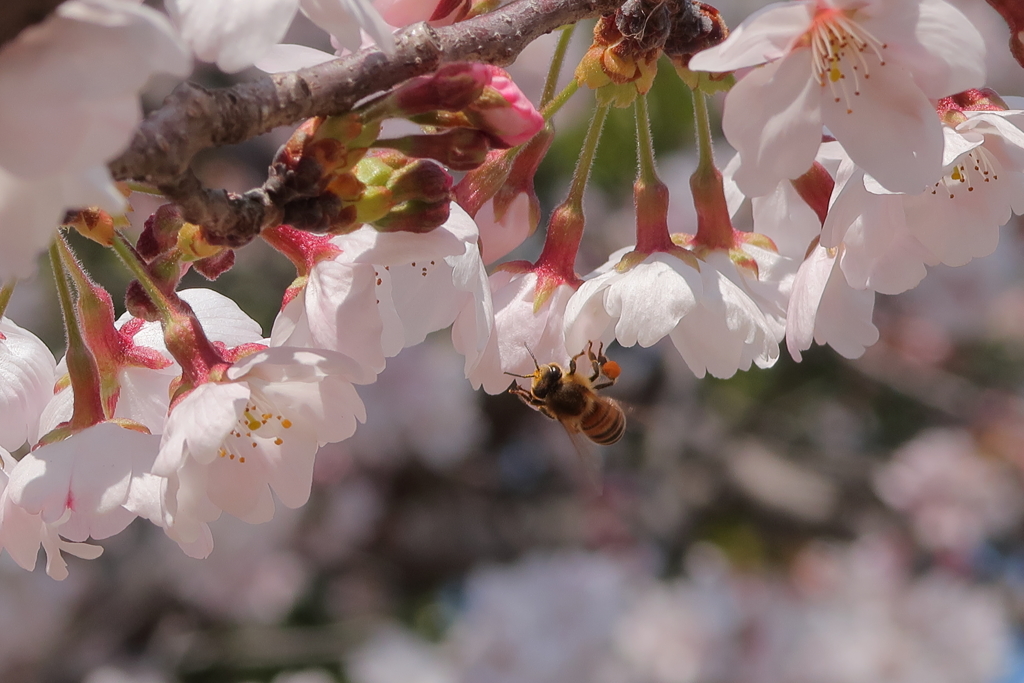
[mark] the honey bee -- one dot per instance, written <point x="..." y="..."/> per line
<point x="571" y="397"/>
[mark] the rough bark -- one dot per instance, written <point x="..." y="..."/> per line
<point x="195" y="118"/>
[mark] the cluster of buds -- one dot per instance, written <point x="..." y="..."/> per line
<point x="312" y="177"/>
<point x="623" y="59"/>
<point x="402" y="193"/>
<point x="326" y="181"/>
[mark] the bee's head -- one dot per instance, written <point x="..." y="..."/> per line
<point x="546" y="379"/>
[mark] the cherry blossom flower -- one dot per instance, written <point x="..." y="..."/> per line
<point x="21" y="533"/>
<point x="890" y="238"/>
<point x="80" y="486"/>
<point x="820" y="305"/>
<point x="528" y="324"/>
<point x="144" y="395"/>
<point x="706" y="307"/>
<point x="420" y="294"/>
<point x="866" y="70"/>
<point x="354" y="298"/>
<point x="235" y="33"/>
<point x="227" y="444"/>
<point x="824" y="308"/>
<point x="27" y="373"/>
<point x="68" y="104"/>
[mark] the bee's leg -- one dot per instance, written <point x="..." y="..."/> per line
<point x="526" y="397"/>
<point x="595" y="360"/>
<point x="572" y="361"/>
<point x="602" y="385"/>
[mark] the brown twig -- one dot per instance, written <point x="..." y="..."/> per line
<point x="194" y="118"/>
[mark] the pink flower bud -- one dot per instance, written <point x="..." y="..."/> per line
<point x="453" y="87"/>
<point x="504" y="111"/>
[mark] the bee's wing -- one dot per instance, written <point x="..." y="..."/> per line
<point x="589" y="473"/>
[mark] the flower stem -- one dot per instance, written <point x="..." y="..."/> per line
<point x="5" y="295"/>
<point x="565" y="229"/>
<point x="645" y="147"/>
<point x="702" y="123"/>
<point x="131" y="261"/>
<point x="585" y="162"/>
<point x="557" y="59"/>
<point x="714" y="226"/>
<point x="559" y="100"/>
<point x="183" y="333"/>
<point x="650" y="195"/>
<point x="82" y="368"/>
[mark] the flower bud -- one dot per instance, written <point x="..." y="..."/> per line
<point x="160" y="233"/>
<point x="503" y="111"/>
<point x="453" y="87"/>
<point x="693" y="29"/>
<point x="461" y="149"/>
<point x="93" y="223"/>
<point x="618" y="66"/>
<point x="414" y="216"/>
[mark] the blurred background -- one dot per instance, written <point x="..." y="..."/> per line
<point x="831" y="521"/>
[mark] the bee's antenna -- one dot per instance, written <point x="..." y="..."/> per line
<point x="535" y="363"/>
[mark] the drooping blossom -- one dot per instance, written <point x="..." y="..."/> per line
<point x="825" y="309"/>
<point x="819" y="304"/>
<point x="72" y="490"/>
<point x="68" y="104"/>
<point x="868" y="71"/>
<point x="705" y="306"/>
<point x="528" y="325"/>
<point x="228" y="444"/>
<point x="236" y="33"/>
<point x="890" y="238"/>
<point x="353" y="299"/>
<point x="146" y="368"/>
<point x="21" y="533"/>
<point x="27" y="373"/>
<point x="419" y="294"/>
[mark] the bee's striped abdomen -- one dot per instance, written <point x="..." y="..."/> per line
<point x="605" y="424"/>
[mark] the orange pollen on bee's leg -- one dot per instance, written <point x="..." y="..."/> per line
<point x="839" y="48"/>
<point x="611" y="369"/>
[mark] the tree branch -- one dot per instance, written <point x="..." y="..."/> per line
<point x="195" y="118"/>
<point x="17" y="15"/>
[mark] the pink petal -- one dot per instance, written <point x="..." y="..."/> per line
<point x="765" y="35"/>
<point x="892" y="131"/>
<point x="773" y="119"/>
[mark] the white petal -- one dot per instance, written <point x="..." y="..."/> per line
<point x="232" y="33"/>
<point x="26" y="383"/>
<point x="938" y="44"/>
<point x="890" y="129"/>
<point x="337" y="17"/>
<point x="773" y="119"/>
<point x="765" y="35"/>
<point x="71" y="84"/>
